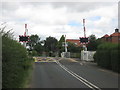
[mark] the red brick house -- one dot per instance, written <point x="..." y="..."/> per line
<point x="75" y="41"/>
<point x="113" y="38"/>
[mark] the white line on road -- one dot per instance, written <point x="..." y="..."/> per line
<point x="87" y="83"/>
<point x="81" y="63"/>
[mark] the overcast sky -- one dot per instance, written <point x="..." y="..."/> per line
<point x="60" y="18"/>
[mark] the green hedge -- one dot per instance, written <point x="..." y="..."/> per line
<point x="75" y="55"/>
<point x="115" y="60"/>
<point x="15" y="63"/>
<point x="107" y="56"/>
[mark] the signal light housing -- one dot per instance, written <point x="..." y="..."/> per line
<point x="23" y="38"/>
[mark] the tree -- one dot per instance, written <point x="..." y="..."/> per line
<point x="39" y="48"/>
<point x="92" y="45"/>
<point x="51" y="44"/>
<point x="34" y="40"/>
<point x="73" y="48"/>
<point x="60" y="47"/>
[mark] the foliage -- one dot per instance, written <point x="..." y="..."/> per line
<point x="59" y="45"/>
<point x="107" y="56"/>
<point x="15" y="62"/>
<point x="115" y="60"/>
<point x="51" y="44"/>
<point x="75" y="55"/>
<point x="33" y="53"/>
<point x="35" y="45"/>
<point x="93" y="43"/>
<point x="38" y="48"/>
<point x="34" y="39"/>
<point x="73" y="48"/>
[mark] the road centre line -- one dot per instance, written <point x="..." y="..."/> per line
<point x="87" y="83"/>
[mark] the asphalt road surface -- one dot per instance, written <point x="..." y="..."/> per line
<point x="69" y="73"/>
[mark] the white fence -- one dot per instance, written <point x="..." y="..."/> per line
<point x="87" y="55"/>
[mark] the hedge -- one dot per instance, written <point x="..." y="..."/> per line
<point x="15" y="63"/>
<point x="107" y="56"/>
<point x="115" y="60"/>
<point x="75" y="55"/>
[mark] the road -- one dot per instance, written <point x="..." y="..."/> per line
<point x="70" y="73"/>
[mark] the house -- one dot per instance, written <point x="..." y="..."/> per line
<point x="75" y="41"/>
<point x="113" y="38"/>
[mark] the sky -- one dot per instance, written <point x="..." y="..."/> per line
<point x="60" y="18"/>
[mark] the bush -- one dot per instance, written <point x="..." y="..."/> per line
<point x="107" y="56"/>
<point x="15" y="63"/>
<point x="115" y="60"/>
<point x="104" y="61"/>
<point x="95" y="57"/>
<point x="75" y="55"/>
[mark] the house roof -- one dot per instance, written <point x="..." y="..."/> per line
<point x="74" y="41"/>
<point x="115" y="34"/>
<point x="106" y="35"/>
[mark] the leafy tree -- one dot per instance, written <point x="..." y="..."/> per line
<point x="92" y="45"/>
<point x="60" y="47"/>
<point x="99" y="41"/>
<point x="73" y="48"/>
<point x="39" y="48"/>
<point x="51" y="44"/>
<point x="34" y="40"/>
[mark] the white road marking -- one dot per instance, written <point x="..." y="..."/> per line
<point x="81" y="63"/>
<point x="87" y="83"/>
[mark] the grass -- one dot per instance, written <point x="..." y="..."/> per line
<point x="29" y="77"/>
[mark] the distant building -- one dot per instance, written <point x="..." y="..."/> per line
<point x="113" y="38"/>
<point x="75" y="41"/>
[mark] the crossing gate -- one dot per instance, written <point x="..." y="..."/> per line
<point x="87" y="55"/>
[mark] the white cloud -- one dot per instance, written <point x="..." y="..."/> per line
<point x="47" y="19"/>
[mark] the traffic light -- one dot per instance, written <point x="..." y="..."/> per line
<point x="84" y="40"/>
<point x="23" y="38"/>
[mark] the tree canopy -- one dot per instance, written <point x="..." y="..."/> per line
<point x="73" y="48"/>
<point x="93" y="43"/>
<point x="51" y="44"/>
<point x="60" y="47"/>
<point x="34" y="40"/>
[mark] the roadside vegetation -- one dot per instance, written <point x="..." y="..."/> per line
<point x="16" y="62"/>
<point x="51" y="47"/>
<point x="108" y="56"/>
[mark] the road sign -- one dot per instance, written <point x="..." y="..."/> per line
<point x="23" y="38"/>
